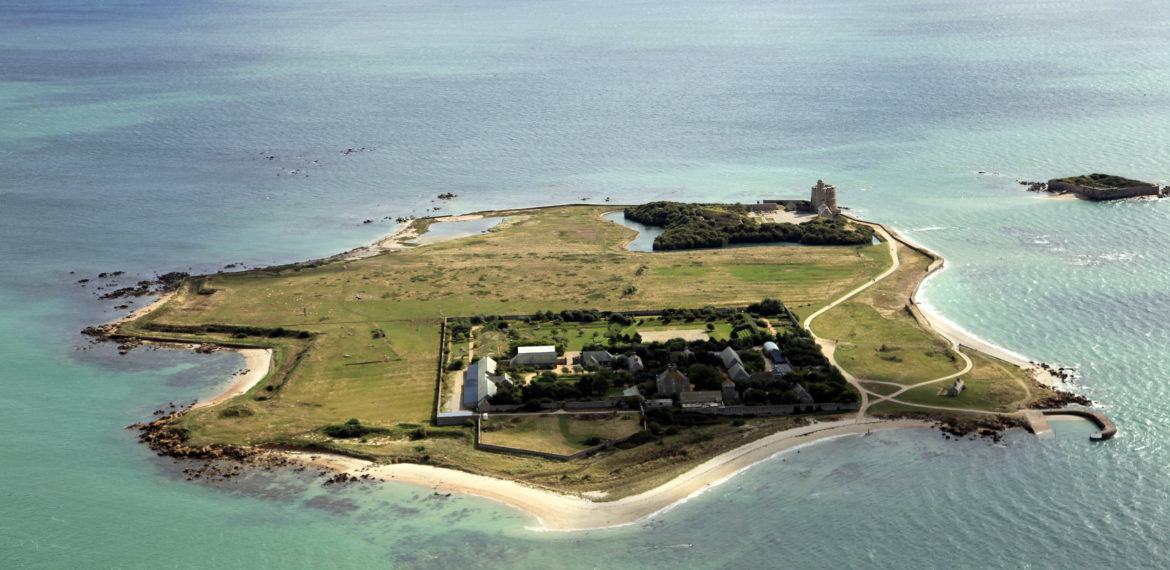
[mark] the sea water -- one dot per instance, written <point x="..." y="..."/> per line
<point x="176" y="136"/>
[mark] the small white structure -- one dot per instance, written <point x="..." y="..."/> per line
<point x="540" y="356"/>
<point x="703" y="399"/>
<point x="955" y="389"/>
<point x="634" y="364"/>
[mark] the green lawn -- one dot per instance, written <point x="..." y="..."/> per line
<point x="886" y="349"/>
<point x="374" y="322"/>
<point x="992" y="386"/>
<point x="374" y="337"/>
<point x="563" y="434"/>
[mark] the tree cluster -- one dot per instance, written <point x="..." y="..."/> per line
<point x="692" y="226"/>
<point x="549" y="387"/>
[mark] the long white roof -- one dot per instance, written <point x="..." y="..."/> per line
<point x="531" y="349"/>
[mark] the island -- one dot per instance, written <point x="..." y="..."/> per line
<point x="1098" y="187"/>
<point x="543" y="364"/>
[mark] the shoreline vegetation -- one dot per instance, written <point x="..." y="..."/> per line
<point x="694" y="226"/>
<point x="583" y="504"/>
<point x="1096" y="187"/>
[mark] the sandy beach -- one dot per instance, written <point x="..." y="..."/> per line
<point x="563" y="512"/>
<point x="391" y="242"/>
<point x="146" y="309"/>
<point x="257" y="363"/>
<point x="955" y="334"/>
<point x="396" y="240"/>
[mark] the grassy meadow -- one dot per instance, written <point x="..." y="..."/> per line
<point x="563" y="434"/>
<point x="360" y="339"/>
<point x="375" y="322"/>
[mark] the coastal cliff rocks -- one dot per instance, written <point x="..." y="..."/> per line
<point x="990" y="426"/>
<point x="218" y="463"/>
<point x="161" y="284"/>
<point x="1060" y="399"/>
<point x="1064" y="373"/>
<point x="128" y="344"/>
<point x="101" y="331"/>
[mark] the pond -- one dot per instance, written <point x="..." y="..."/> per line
<point x="444" y="231"/>
<point x="646" y="234"/>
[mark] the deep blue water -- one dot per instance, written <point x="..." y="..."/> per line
<point x="162" y="136"/>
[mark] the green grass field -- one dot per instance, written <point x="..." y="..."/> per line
<point x="879" y="339"/>
<point x="886" y="349"/>
<point x="563" y="434"/>
<point x="374" y="328"/>
<point x="375" y="321"/>
<point x="992" y="386"/>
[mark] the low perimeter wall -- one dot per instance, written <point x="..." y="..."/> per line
<point x="1103" y="193"/>
<point x="776" y="410"/>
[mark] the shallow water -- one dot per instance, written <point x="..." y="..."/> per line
<point x="153" y="137"/>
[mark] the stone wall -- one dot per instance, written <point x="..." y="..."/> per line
<point x="1091" y="193"/>
<point x="776" y="410"/>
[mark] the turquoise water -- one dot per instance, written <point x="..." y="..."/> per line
<point x="153" y="137"/>
<point x="467" y="227"/>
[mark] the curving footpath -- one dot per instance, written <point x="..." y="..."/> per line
<point x="828" y="347"/>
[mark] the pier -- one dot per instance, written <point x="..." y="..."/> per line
<point x="1039" y="423"/>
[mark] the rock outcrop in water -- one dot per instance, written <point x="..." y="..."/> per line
<point x="1102" y="187"/>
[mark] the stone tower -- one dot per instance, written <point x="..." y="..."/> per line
<point x="824" y="200"/>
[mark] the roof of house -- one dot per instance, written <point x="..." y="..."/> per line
<point x="672" y="374"/>
<point x="802" y="394"/>
<point x="762" y="377"/>
<point x="471" y="386"/>
<point x="729" y="356"/>
<point x="487" y="365"/>
<point x="596" y="357"/>
<point x="535" y="355"/>
<point x="672" y="381"/>
<point x="477" y="384"/>
<point x="770" y="346"/>
<point x="737" y="372"/>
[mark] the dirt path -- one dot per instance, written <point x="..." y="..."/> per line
<point x="828" y="347"/>
<point x="455" y="402"/>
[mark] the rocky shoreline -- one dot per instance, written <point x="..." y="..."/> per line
<point x="218" y="462"/>
<point x="1094" y="192"/>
